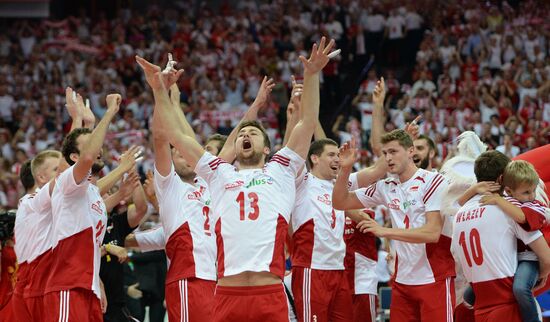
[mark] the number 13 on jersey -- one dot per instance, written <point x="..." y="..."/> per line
<point x="252" y="204"/>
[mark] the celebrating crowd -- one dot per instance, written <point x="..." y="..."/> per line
<point x="216" y="168"/>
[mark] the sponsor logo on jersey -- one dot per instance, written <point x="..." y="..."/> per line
<point x="326" y="199"/>
<point x="414" y="188"/>
<point x="259" y="182"/>
<point x="233" y="185"/>
<point x="196" y="195"/>
<point x="408" y="203"/>
<point x="394" y="204"/>
<point x="96" y="206"/>
<point x="392" y="191"/>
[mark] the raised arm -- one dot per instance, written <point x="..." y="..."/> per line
<point x="93" y="145"/>
<point x="293" y="109"/>
<point x="184" y="126"/>
<point x="74" y="112"/>
<point x="138" y="209"/>
<point x="342" y="198"/>
<point x="127" y="162"/>
<point x="378" y="118"/>
<point x="228" y="151"/>
<point x="159" y="82"/>
<point x="300" y="137"/>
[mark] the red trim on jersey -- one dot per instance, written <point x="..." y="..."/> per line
<point x="280" y="159"/>
<point x="303" y="241"/>
<point x="219" y="245"/>
<point x="435" y="183"/>
<point x="40" y="270"/>
<point x="214" y="164"/>
<point x="179" y="249"/>
<point x="277" y="265"/>
<point x="490" y="294"/>
<point x="73" y="262"/>
<point x="440" y="258"/>
<point x="370" y="190"/>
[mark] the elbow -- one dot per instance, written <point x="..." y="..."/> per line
<point x="433" y="237"/>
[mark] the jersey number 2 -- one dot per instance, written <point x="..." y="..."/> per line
<point x="253" y="197"/>
<point x="475" y="247"/>
<point x="206" y="212"/>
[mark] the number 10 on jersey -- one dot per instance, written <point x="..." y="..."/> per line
<point x="252" y="204"/>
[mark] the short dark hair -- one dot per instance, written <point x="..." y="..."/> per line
<point x="25" y="175"/>
<point x="217" y="137"/>
<point x="317" y="148"/>
<point x="431" y="143"/>
<point x="490" y="165"/>
<point x="402" y="137"/>
<point x="257" y="125"/>
<point x="70" y="145"/>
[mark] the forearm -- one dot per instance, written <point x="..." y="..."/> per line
<point x="290" y="124"/>
<point x="107" y="182"/>
<point x="93" y="146"/>
<point x="370" y="175"/>
<point x="340" y="193"/>
<point x="184" y="125"/>
<point x="76" y="123"/>
<point x="377" y="129"/>
<point x="112" y="201"/>
<point x="131" y="241"/>
<point x="319" y="133"/>
<point x="420" y="235"/>
<point x="309" y="111"/>
<point x="512" y="211"/>
<point x="140" y="203"/>
<point x="468" y="194"/>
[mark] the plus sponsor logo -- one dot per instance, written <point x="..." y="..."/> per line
<point x="408" y="203"/>
<point x="259" y="182"/>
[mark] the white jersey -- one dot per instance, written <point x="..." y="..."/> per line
<point x="184" y="215"/>
<point x="151" y="240"/>
<point x="318" y="239"/>
<point x="408" y="202"/>
<point x="484" y="243"/>
<point x="79" y="220"/>
<point x="33" y="225"/>
<point x="250" y="211"/>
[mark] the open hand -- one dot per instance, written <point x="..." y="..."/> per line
<point x="263" y="92"/>
<point x="348" y="154"/>
<point x="318" y="58"/>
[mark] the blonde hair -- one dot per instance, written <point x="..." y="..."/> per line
<point x="41" y="157"/>
<point x="519" y="172"/>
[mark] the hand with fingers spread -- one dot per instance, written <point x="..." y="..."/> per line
<point x="153" y="74"/>
<point x="318" y="58"/>
<point x="486" y="187"/>
<point x="348" y="154"/>
<point x="379" y="93"/>
<point x="128" y="185"/>
<point x="412" y="128"/>
<point x="491" y="199"/>
<point x="88" y="116"/>
<point x="128" y="158"/>
<point x="263" y="92"/>
<point x="370" y="225"/>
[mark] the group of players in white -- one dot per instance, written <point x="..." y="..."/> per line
<point x="229" y="218"/>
